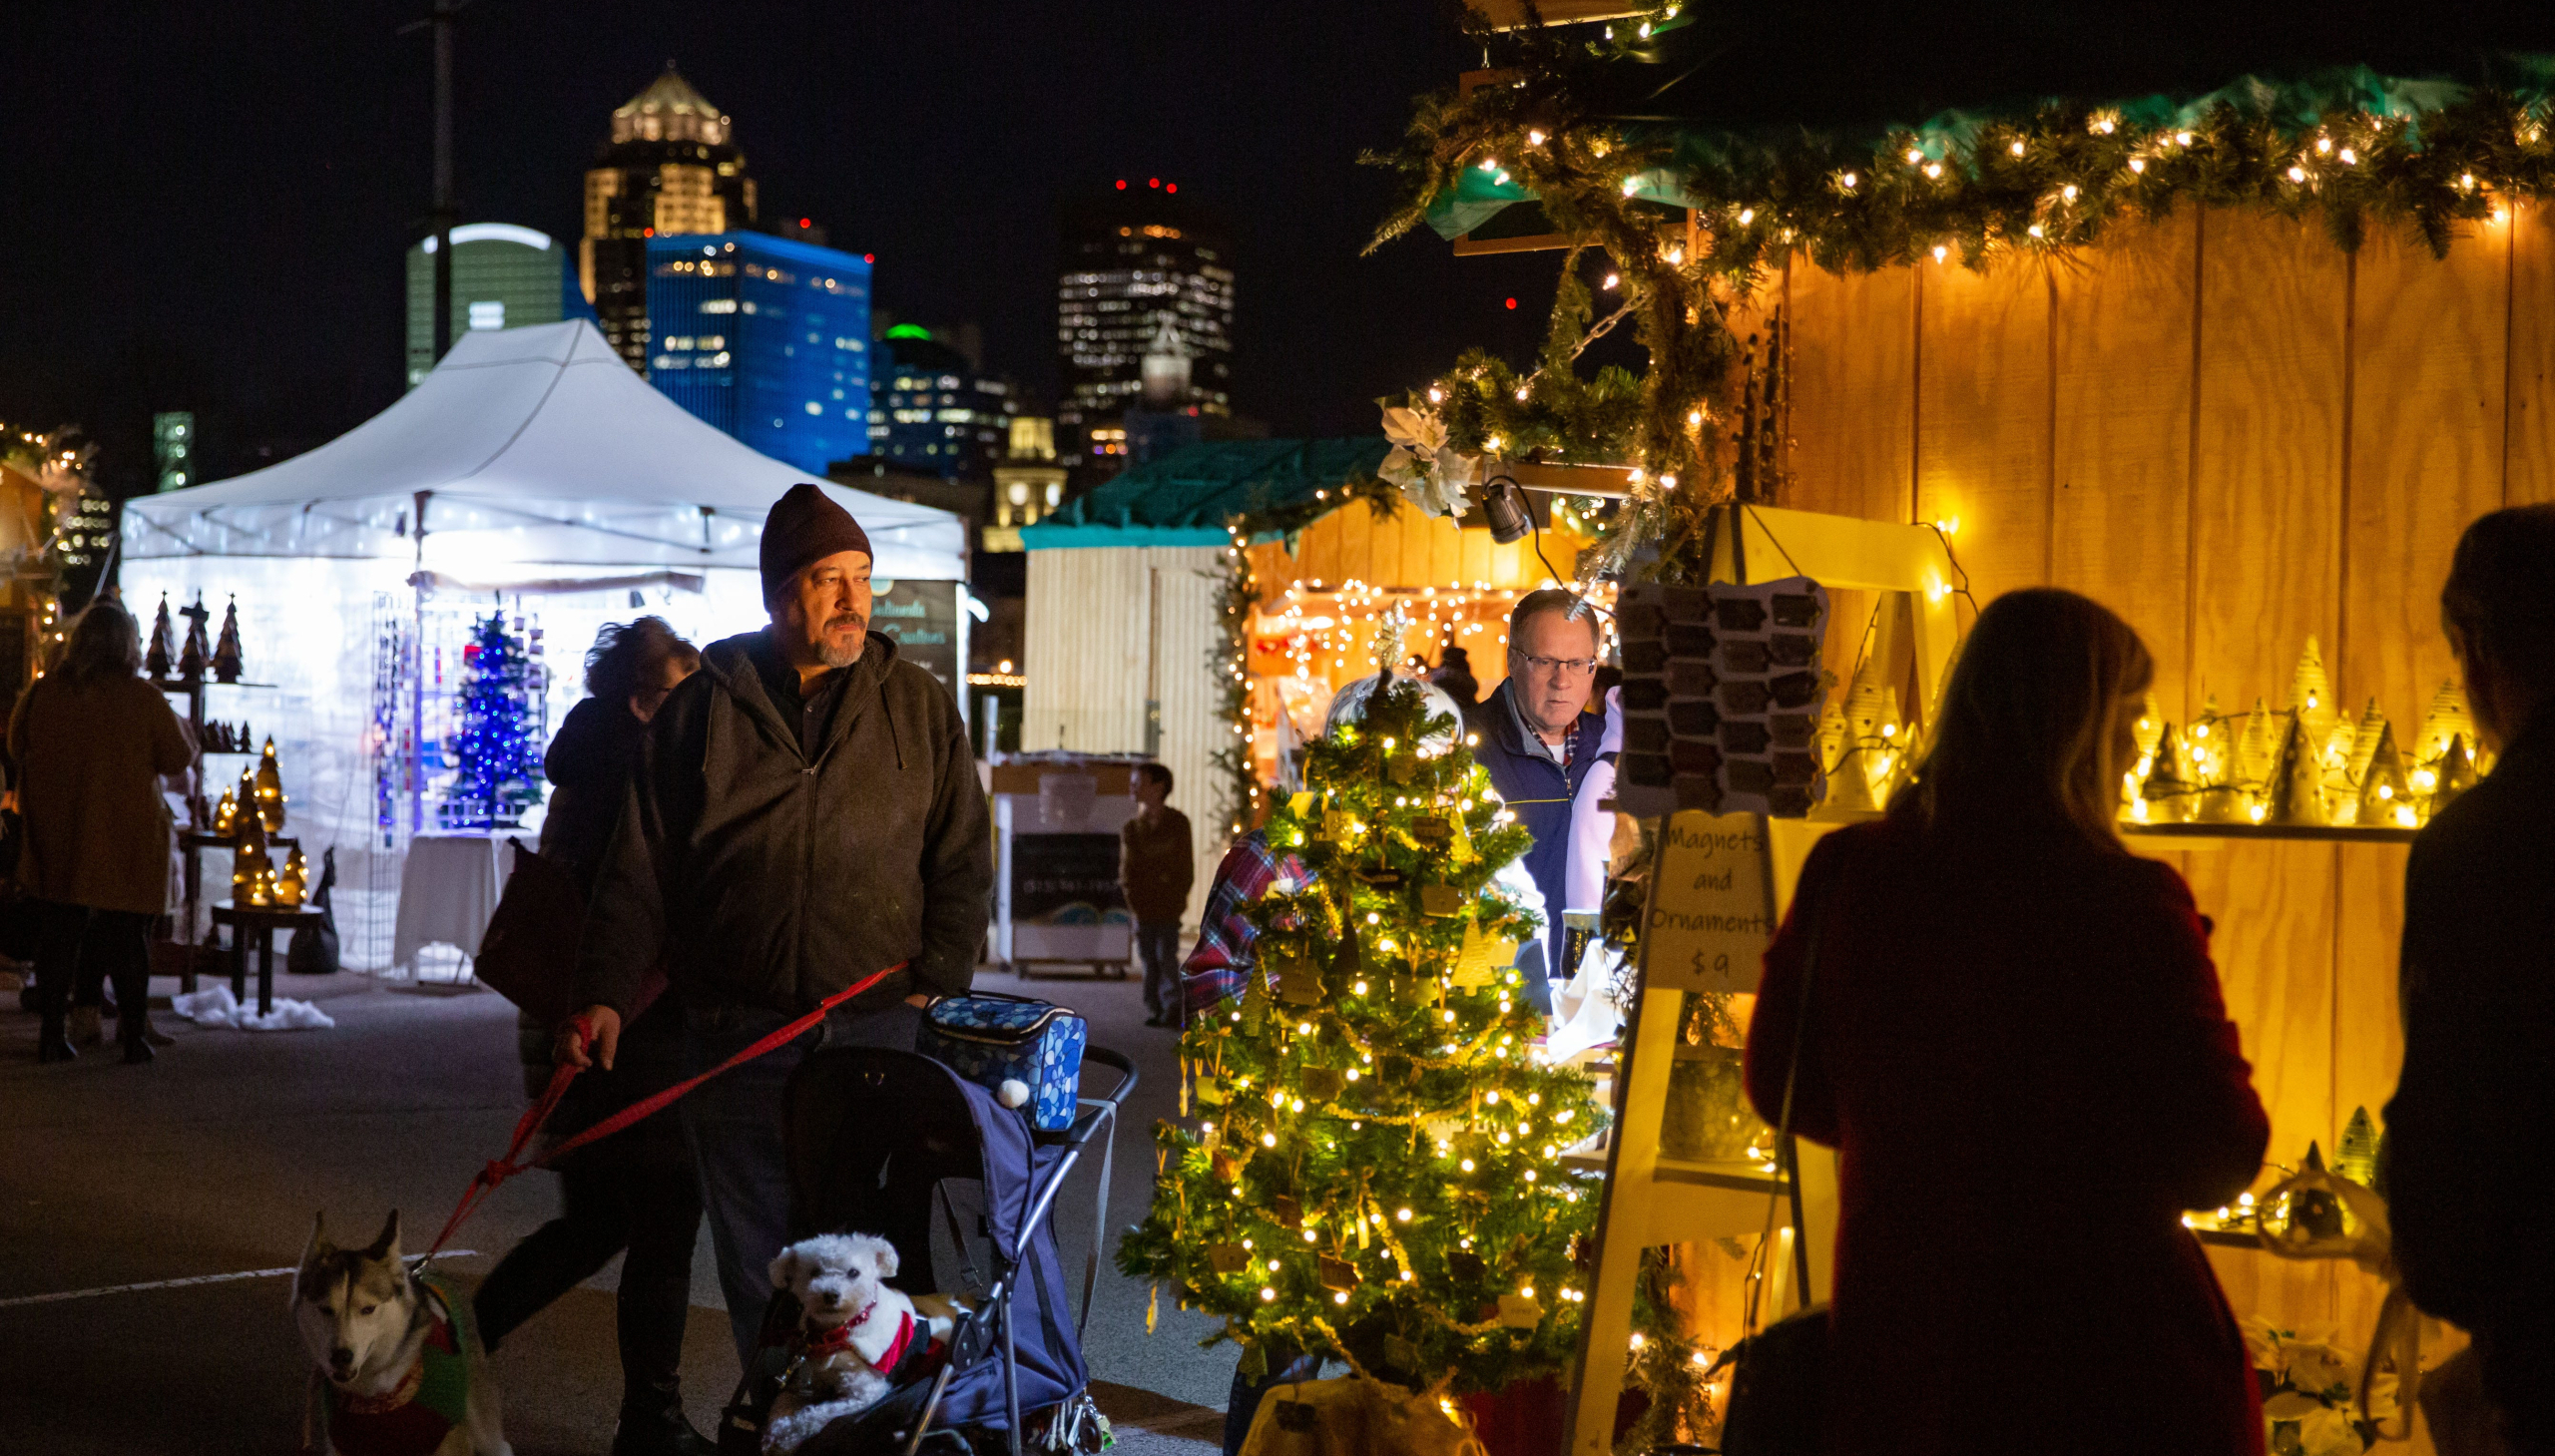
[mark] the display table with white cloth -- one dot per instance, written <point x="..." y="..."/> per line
<point x="448" y="889"/>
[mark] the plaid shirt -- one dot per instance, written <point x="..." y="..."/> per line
<point x="1217" y="967"/>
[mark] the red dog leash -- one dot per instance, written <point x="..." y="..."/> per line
<point x="529" y="1125"/>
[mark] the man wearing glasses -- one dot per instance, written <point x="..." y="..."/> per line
<point x="1538" y="739"/>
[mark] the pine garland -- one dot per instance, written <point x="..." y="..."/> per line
<point x="1683" y="223"/>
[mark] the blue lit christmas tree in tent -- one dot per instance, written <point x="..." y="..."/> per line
<point x="497" y="744"/>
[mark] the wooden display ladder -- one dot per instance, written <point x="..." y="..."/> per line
<point x="1651" y="1200"/>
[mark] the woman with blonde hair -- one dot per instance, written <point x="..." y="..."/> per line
<point x="2010" y="1030"/>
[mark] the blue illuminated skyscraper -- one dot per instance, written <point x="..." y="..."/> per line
<point x="766" y="338"/>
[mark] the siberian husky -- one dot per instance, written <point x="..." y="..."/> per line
<point x="398" y="1362"/>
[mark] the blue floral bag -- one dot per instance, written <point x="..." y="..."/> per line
<point x="990" y="1039"/>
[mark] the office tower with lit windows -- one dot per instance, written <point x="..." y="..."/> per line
<point x="1144" y="315"/>
<point x="503" y="276"/>
<point x="934" y="409"/>
<point x="765" y="338"/>
<point x="671" y="168"/>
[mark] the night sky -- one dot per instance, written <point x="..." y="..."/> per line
<point x="210" y="203"/>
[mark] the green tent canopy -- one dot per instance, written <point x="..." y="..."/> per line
<point x="1186" y="497"/>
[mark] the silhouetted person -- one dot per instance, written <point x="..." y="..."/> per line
<point x="2472" y="1124"/>
<point x="634" y="1189"/>
<point x="2016" y="1044"/>
<point x="91" y="741"/>
<point x="1157" y="863"/>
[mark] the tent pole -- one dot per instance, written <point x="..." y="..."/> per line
<point x="444" y="211"/>
<point x="417" y="682"/>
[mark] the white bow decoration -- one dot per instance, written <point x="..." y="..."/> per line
<point x="1430" y="473"/>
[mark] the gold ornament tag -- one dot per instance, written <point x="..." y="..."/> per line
<point x="1401" y="1354"/>
<point x="1520" y="1311"/>
<point x="1227" y="1258"/>
<point x="1287" y="1212"/>
<point x="1337" y="1274"/>
<point x="1296" y="803"/>
<point x="1336" y="825"/>
<point x="1321" y="1084"/>
<point x="1480" y="957"/>
<point x="1432" y="831"/>
<point x="1298" y="985"/>
<point x="1211" y="1093"/>
<point x="1440" y="900"/>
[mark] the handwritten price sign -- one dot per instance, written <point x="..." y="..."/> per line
<point x="1711" y="907"/>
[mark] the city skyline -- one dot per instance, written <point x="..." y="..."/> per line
<point x="944" y="147"/>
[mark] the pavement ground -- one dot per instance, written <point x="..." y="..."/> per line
<point x="211" y="1161"/>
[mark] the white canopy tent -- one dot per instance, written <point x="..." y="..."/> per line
<point x="537" y="449"/>
<point x="530" y="468"/>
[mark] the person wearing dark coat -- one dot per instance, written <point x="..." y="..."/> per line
<point x="1537" y="739"/>
<point x="805" y="812"/>
<point x="1455" y="675"/>
<point x="2016" y="1043"/>
<point x="91" y="741"/>
<point x="2470" y="1131"/>
<point x="634" y="1189"/>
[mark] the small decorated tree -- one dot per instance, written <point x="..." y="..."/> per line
<point x="1374" y="1166"/>
<point x="497" y="744"/>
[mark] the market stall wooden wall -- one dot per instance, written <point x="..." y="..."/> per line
<point x="2238" y="436"/>
<point x="1109" y="629"/>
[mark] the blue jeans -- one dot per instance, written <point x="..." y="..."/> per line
<point x="735" y="1125"/>
<point x="1158" y="946"/>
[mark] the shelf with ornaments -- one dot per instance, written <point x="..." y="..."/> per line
<point x="2303" y="772"/>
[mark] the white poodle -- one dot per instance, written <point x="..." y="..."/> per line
<point x="853" y="1331"/>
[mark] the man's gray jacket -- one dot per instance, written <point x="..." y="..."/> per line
<point x="763" y="875"/>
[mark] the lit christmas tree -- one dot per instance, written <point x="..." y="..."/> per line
<point x="496" y="750"/>
<point x="1375" y="1170"/>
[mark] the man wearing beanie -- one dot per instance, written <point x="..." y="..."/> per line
<point x="805" y="811"/>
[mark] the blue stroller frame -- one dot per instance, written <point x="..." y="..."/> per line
<point x="871" y="1133"/>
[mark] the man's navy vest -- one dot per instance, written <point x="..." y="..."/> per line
<point x="1540" y="792"/>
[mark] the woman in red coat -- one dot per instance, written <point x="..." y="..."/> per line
<point x="2016" y="1044"/>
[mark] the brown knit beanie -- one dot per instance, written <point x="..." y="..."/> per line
<point x="806" y="526"/>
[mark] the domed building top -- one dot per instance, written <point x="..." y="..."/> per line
<point x="669" y="109"/>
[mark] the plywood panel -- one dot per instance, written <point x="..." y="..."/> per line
<point x="1186" y="627"/>
<point x="1445" y="554"/>
<point x="2274" y="908"/>
<point x="2531" y="467"/>
<point x="1851" y="437"/>
<point x="1387" y="544"/>
<point x="2274" y="298"/>
<point x="1084" y="647"/>
<point x="1982" y="418"/>
<point x="2428" y="340"/>
<point x="2368" y="1034"/>
<point x="2368" y="1040"/>
<point x="1853" y="392"/>
<point x="1477" y="567"/>
<point x="2121" y="527"/>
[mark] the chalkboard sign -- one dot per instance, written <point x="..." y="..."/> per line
<point x="923" y="619"/>
<point x="1712" y="903"/>
<point x="1064" y="879"/>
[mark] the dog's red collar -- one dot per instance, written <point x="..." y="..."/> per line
<point x="836" y="1340"/>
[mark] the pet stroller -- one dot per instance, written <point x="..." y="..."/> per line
<point x="871" y="1136"/>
